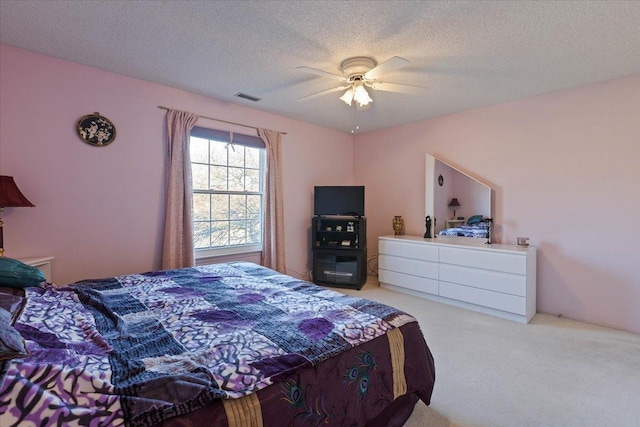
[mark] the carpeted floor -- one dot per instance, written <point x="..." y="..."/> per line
<point x="493" y="372"/>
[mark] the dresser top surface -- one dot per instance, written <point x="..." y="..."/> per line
<point x="462" y="242"/>
<point x="36" y="260"/>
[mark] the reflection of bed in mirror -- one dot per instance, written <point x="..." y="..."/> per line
<point x="478" y="230"/>
<point x="467" y="215"/>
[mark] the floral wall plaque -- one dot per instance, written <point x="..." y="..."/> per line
<point x="96" y="130"/>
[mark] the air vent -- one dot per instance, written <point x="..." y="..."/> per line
<point x="249" y="97"/>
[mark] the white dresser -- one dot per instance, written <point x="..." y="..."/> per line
<point x="41" y="263"/>
<point x="495" y="279"/>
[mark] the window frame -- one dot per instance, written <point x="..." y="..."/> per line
<point x="233" y="138"/>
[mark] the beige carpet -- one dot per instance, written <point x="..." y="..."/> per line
<point x="493" y="372"/>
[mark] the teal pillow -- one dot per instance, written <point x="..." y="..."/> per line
<point x="16" y="274"/>
<point x="474" y="219"/>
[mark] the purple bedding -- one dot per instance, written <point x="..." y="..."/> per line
<point x="478" y="230"/>
<point x="227" y="344"/>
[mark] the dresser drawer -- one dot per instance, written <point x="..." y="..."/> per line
<point x="408" y="250"/>
<point x="416" y="283"/>
<point x="496" y="281"/>
<point x="499" y="301"/>
<point x="410" y="266"/>
<point x="488" y="260"/>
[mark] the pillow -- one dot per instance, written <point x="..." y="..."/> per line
<point x="17" y="274"/>
<point x="474" y="219"/>
<point x="11" y="342"/>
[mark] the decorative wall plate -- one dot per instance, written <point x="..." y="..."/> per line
<point x="96" y="130"/>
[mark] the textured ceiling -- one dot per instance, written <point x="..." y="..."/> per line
<point x="471" y="54"/>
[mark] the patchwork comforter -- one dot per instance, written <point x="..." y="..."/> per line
<point x="143" y="349"/>
<point x="478" y="230"/>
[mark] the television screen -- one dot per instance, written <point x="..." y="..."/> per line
<point x="338" y="200"/>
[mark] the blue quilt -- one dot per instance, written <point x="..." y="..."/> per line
<point x="139" y="349"/>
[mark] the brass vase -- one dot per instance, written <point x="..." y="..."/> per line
<point x="398" y="225"/>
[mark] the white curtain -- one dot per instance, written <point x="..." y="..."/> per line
<point x="273" y="244"/>
<point x="177" y="251"/>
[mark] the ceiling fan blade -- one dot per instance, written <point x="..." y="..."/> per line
<point x="399" y="88"/>
<point x="392" y="64"/>
<point x="322" y="73"/>
<point x="324" y="92"/>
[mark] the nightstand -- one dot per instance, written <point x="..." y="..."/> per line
<point x="448" y="223"/>
<point x="42" y="263"/>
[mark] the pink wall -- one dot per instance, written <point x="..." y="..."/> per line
<point x="565" y="170"/>
<point x="99" y="211"/>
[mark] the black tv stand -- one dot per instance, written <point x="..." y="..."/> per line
<point x="339" y="245"/>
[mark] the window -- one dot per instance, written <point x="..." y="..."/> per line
<point x="228" y="192"/>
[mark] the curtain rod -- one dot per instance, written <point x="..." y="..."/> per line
<point x="223" y="121"/>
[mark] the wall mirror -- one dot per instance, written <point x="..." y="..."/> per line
<point x="472" y="201"/>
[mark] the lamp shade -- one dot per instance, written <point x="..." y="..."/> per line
<point x="348" y="96"/>
<point x="361" y="96"/>
<point x="454" y="203"/>
<point x="10" y="195"/>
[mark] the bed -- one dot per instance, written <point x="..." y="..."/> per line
<point x="233" y="344"/>
<point x="476" y="227"/>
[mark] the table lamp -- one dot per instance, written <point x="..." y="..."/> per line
<point x="10" y="197"/>
<point x="454" y="204"/>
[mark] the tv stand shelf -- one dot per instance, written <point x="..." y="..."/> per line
<point x="346" y="233"/>
<point x="339" y="245"/>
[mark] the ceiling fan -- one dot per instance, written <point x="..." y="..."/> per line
<point x="361" y="72"/>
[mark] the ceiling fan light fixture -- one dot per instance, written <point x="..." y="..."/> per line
<point x="360" y="72"/>
<point x="348" y="96"/>
<point x="362" y="96"/>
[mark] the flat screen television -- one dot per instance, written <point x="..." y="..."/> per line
<point x="338" y="200"/>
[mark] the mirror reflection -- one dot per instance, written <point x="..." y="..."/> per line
<point x="459" y="203"/>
